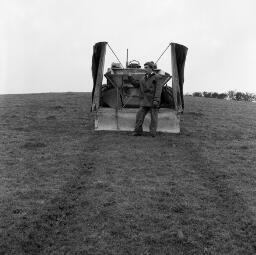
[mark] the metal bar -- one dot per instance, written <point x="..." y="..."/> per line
<point x="117" y="103"/>
<point x="163" y="53"/>
<point x="116" y="56"/>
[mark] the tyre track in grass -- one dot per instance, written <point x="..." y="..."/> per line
<point x="236" y="221"/>
<point x="191" y="195"/>
<point x="106" y="209"/>
<point x="136" y="217"/>
<point x="35" y="233"/>
<point x="183" y="208"/>
<point x="139" y="196"/>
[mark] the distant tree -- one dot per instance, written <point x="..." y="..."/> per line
<point x="215" y="95"/>
<point x="222" y="95"/>
<point x="239" y="96"/>
<point x="197" y="94"/>
<point x="207" y="94"/>
<point x="249" y="97"/>
<point x="231" y="94"/>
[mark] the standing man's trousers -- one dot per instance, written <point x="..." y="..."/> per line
<point x="141" y="116"/>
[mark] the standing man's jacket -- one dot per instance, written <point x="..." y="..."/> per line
<point x="150" y="89"/>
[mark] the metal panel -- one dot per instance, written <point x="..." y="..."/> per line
<point x="97" y="72"/>
<point x="106" y="119"/>
<point x="178" y="56"/>
<point x="175" y="80"/>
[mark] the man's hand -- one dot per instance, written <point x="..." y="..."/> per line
<point x="155" y="104"/>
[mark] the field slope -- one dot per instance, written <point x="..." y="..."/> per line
<point x="66" y="189"/>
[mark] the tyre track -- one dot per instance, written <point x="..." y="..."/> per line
<point x="231" y="210"/>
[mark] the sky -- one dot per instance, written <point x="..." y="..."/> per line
<point x="46" y="45"/>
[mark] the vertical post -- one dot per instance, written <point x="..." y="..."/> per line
<point x="126" y="58"/>
<point x="117" y="104"/>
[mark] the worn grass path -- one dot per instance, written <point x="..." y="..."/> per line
<point x="112" y="193"/>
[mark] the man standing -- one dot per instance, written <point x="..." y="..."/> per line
<point x="150" y="89"/>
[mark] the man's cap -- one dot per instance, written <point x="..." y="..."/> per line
<point x="151" y="64"/>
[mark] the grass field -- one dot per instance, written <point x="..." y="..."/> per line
<point x="66" y="189"/>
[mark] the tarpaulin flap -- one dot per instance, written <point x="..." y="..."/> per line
<point x="98" y="59"/>
<point x="179" y="53"/>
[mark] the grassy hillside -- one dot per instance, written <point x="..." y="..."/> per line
<point x="65" y="189"/>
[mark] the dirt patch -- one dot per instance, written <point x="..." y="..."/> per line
<point x="52" y="117"/>
<point x="57" y="107"/>
<point x="33" y="145"/>
<point x="21" y="129"/>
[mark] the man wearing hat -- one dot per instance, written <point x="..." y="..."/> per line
<point x="150" y="90"/>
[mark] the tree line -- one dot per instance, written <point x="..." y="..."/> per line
<point x="231" y="95"/>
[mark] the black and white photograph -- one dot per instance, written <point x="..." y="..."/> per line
<point x="127" y="127"/>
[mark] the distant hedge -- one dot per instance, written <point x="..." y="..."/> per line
<point x="231" y="95"/>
